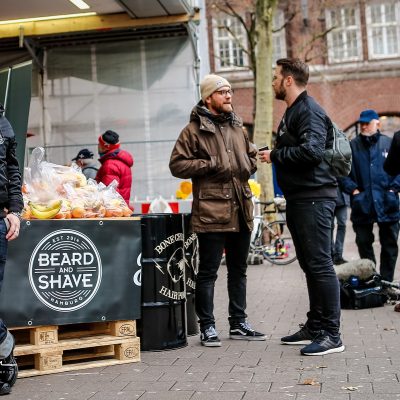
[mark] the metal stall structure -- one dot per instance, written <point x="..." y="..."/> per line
<point x="133" y="67"/>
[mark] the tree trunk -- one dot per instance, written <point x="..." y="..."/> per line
<point x="264" y="94"/>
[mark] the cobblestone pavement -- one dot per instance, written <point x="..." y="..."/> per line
<point x="277" y="303"/>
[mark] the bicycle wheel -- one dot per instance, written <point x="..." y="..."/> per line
<point x="278" y="247"/>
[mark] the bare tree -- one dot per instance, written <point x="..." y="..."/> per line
<point x="263" y="88"/>
<point x="257" y="17"/>
<point x="257" y="23"/>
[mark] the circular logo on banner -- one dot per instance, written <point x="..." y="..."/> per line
<point x="65" y="270"/>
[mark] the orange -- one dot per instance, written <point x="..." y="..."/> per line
<point x="26" y="213"/>
<point x="60" y="215"/>
<point x="108" y="213"/>
<point x="126" y="212"/>
<point x="117" y="212"/>
<point x="78" y="212"/>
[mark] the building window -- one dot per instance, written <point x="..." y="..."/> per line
<point x="344" y="41"/>
<point x="383" y="30"/>
<point x="278" y="36"/>
<point x="229" y="43"/>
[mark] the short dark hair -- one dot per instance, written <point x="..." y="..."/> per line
<point x="296" y="68"/>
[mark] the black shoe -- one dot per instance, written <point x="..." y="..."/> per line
<point x="209" y="337"/>
<point x="243" y="331"/>
<point x="338" y="260"/>
<point x="5" y="388"/>
<point x="323" y="344"/>
<point x="303" y="336"/>
<point x="8" y="371"/>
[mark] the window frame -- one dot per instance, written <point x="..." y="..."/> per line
<point x="368" y="17"/>
<point x="331" y="57"/>
<point x="279" y="19"/>
<point x="217" y="40"/>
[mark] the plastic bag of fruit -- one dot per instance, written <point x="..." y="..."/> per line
<point x="114" y="203"/>
<point x="85" y="201"/>
<point x="43" y="181"/>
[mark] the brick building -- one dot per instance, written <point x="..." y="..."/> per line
<point x="352" y="47"/>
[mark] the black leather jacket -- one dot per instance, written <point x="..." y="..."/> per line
<point x="301" y="170"/>
<point x="10" y="176"/>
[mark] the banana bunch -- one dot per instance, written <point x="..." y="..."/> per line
<point x="45" y="211"/>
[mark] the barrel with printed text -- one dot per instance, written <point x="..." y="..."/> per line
<point x="192" y="266"/>
<point x="163" y="322"/>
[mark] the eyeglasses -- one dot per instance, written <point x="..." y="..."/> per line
<point x="225" y="92"/>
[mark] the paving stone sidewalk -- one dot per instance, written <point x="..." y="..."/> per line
<point x="277" y="303"/>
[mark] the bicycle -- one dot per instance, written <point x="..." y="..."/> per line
<point x="272" y="239"/>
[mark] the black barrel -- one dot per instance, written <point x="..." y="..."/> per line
<point x="192" y="266"/>
<point x="163" y="322"/>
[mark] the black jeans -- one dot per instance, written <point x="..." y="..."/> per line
<point x="388" y="235"/>
<point x="310" y="223"/>
<point x="211" y="247"/>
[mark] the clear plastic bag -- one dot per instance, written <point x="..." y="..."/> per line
<point x="114" y="203"/>
<point x="44" y="181"/>
<point x="160" y="206"/>
<point x="85" y="201"/>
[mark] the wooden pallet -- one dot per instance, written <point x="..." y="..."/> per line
<point x="51" y="349"/>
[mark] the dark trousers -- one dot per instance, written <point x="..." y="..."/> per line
<point x="388" y="235"/>
<point x="340" y="214"/>
<point x="310" y="223"/>
<point x="211" y="247"/>
<point x="3" y="257"/>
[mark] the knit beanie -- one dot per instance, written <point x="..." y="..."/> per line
<point x="210" y="84"/>
<point x="109" y="140"/>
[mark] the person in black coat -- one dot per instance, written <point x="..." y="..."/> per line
<point x="374" y="194"/>
<point x="392" y="162"/>
<point x="11" y="205"/>
<point x="310" y="190"/>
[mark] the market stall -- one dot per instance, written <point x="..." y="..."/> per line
<point x="77" y="269"/>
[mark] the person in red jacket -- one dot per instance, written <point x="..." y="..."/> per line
<point x="115" y="164"/>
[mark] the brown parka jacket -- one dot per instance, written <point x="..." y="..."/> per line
<point x="215" y="152"/>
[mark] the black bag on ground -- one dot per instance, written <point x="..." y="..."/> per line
<point x="361" y="295"/>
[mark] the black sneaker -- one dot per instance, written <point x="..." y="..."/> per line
<point x="323" y="344"/>
<point x="243" y="331"/>
<point x="8" y="371"/>
<point x="303" y="336"/>
<point x="5" y="388"/>
<point x="209" y="337"/>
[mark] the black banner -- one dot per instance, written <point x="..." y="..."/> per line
<point x="70" y="271"/>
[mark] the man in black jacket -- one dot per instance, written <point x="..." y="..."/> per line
<point x="310" y="190"/>
<point x="10" y="207"/>
<point x="392" y="162"/>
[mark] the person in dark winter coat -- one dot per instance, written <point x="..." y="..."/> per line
<point x="11" y="205"/>
<point x="309" y="187"/>
<point x="115" y="163"/>
<point x="84" y="160"/>
<point x="340" y="214"/>
<point x="214" y="151"/>
<point x="392" y="162"/>
<point x="373" y="194"/>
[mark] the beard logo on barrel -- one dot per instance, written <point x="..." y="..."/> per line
<point x="65" y="270"/>
<point x="174" y="268"/>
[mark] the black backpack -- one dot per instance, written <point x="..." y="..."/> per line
<point x="339" y="155"/>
